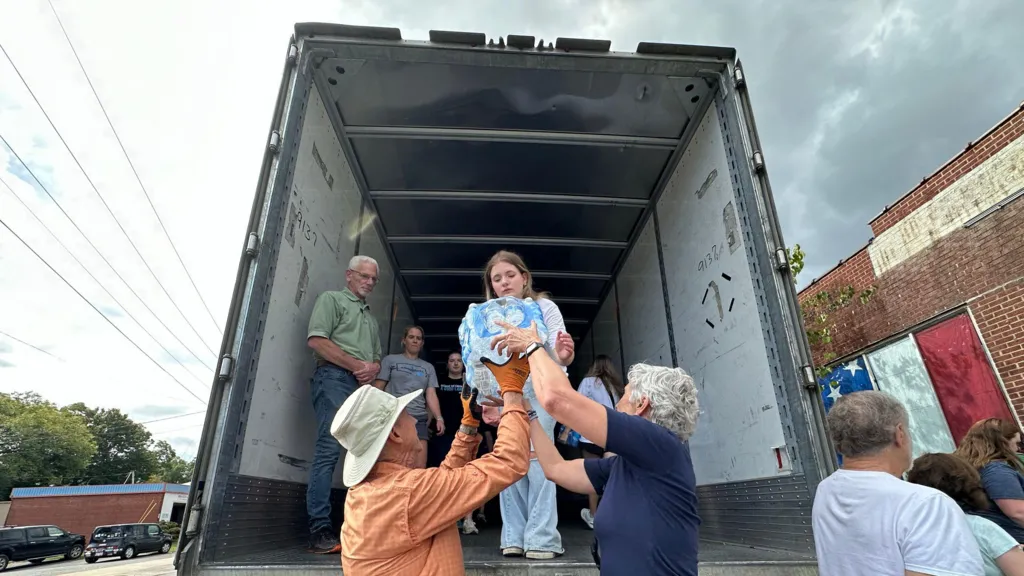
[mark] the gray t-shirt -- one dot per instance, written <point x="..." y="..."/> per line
<point x="404" y="375"/>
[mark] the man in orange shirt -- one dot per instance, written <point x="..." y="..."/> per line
<point x="401" y="520"/>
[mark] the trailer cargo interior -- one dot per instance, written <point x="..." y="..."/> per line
<point x="634" y="187"/>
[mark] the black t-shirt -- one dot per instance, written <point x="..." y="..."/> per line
<point x="449" y="396"/>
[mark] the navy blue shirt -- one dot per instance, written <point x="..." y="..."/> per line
<point x="647" y="520"/>
<point x="1002" y="482"/>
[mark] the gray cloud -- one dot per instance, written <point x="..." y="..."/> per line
<point x="154" y="411"/>
<point x="855" y="103"/>
<point x="184" y="446"/>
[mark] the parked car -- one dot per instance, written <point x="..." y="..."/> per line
<point x="126" y="540"/>
<point x="36" y="543"/>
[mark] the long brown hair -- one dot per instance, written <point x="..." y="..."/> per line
<point x="605" y="371"/>
<point x="985" y="442"/>
<point x="950" y="474"/>
<point x="516" y="262"/>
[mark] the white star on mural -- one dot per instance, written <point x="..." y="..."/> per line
<point x="852" y="368"/>
<point x="834" y="392"/>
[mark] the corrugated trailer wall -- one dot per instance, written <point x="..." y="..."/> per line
<point x="80" y="514"/>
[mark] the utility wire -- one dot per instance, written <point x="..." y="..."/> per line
<point x="93" y="306"/>
<point x="97" y="250"/>
<point x="100" y="196"/>
<point x="134" y="171"/>
<point x="36" y="348"/>
<point x="107" y="292"/>
<point x="169" y="417"/>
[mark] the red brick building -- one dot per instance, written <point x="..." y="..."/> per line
<point x="79" y="509"/>
<point x="951" y="248"/>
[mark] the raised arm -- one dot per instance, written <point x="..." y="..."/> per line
<point x="441" y="496"/>
<point x="568" y="474"/>
<point x="552" y="386"/>
<point x="559" y="340"/>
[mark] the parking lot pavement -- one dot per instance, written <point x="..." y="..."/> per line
<point x="159" y="565"/>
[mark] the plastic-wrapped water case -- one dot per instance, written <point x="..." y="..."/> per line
<point x="479" y="326"/>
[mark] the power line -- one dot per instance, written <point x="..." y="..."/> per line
<point x="107" y="292"/>
<point x="100" y="196"/>
<point x="97" y="250"/>
<point x="172" y="417"/>
<point x="36" y="348"/>
<point x="93" y="306"/>
<point x="132" y="165"/>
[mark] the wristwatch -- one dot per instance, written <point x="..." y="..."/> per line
<point x="533" y="347"/>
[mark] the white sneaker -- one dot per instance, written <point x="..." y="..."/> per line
<point x="512" y="551"/>
<point x="587" y="517"/>
<point x="469" y="527"/>
<point x="541" y="554"/>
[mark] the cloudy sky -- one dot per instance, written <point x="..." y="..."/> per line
<point x="855" y="103"/>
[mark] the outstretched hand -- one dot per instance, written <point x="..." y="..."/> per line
<point x="565" y="348"/>
<point x="515" y="340"/>
<point x="471" y="411"/>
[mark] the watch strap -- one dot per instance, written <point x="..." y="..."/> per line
<point x="533" y="348"/>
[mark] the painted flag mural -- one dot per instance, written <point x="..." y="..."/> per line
<point x="844" y="379"/>
<point x="899" y="371"/>
<point x="961" y="374"/>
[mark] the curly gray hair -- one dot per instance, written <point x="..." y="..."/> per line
<point x="672" y="394"/>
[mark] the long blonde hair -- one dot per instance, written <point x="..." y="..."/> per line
<point x="515" y="261"/>
<point x="985" y="442"/>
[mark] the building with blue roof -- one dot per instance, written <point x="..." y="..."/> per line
<point x="80" y="509"/>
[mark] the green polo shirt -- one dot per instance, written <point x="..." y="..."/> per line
<point x="344" y="319"/>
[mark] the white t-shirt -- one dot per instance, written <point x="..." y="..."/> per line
<point x="874" y="524"/>
<point x="555" y="324"/>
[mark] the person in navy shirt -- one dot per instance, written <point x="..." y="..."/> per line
<point x="647" y="520"/>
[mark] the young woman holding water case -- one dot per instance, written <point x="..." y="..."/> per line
<point x="528" y="511"/>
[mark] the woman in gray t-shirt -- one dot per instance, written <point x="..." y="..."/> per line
<point x="407" y="372"/>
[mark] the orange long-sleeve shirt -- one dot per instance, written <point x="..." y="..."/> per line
<point x="402" y="521"/>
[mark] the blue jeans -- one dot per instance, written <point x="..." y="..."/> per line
<point x="330" y="387"/>
<point x="529" y="515"/>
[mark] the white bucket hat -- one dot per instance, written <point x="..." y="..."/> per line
<point x="362" y="425"/>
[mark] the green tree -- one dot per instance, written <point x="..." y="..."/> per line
<point x="170" y="466"/>
<point x="40" y="444"/>
<point x="122" y="447"/>
<point x="818" y="311"/>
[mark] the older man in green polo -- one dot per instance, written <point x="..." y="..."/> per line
<point x="345" y="339"/>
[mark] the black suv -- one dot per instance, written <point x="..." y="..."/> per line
<point x="126" y="540"/>
<point x="36" y="543"/>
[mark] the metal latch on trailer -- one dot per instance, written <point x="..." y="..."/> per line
<point x="738" y="79"/>
<point x="226" y="364"/>
<point x="781" y="260"/>
<point x="252" y="245"/>
<point x="810" y="381"/>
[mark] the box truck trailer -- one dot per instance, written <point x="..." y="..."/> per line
<point x="635" y="188"/>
